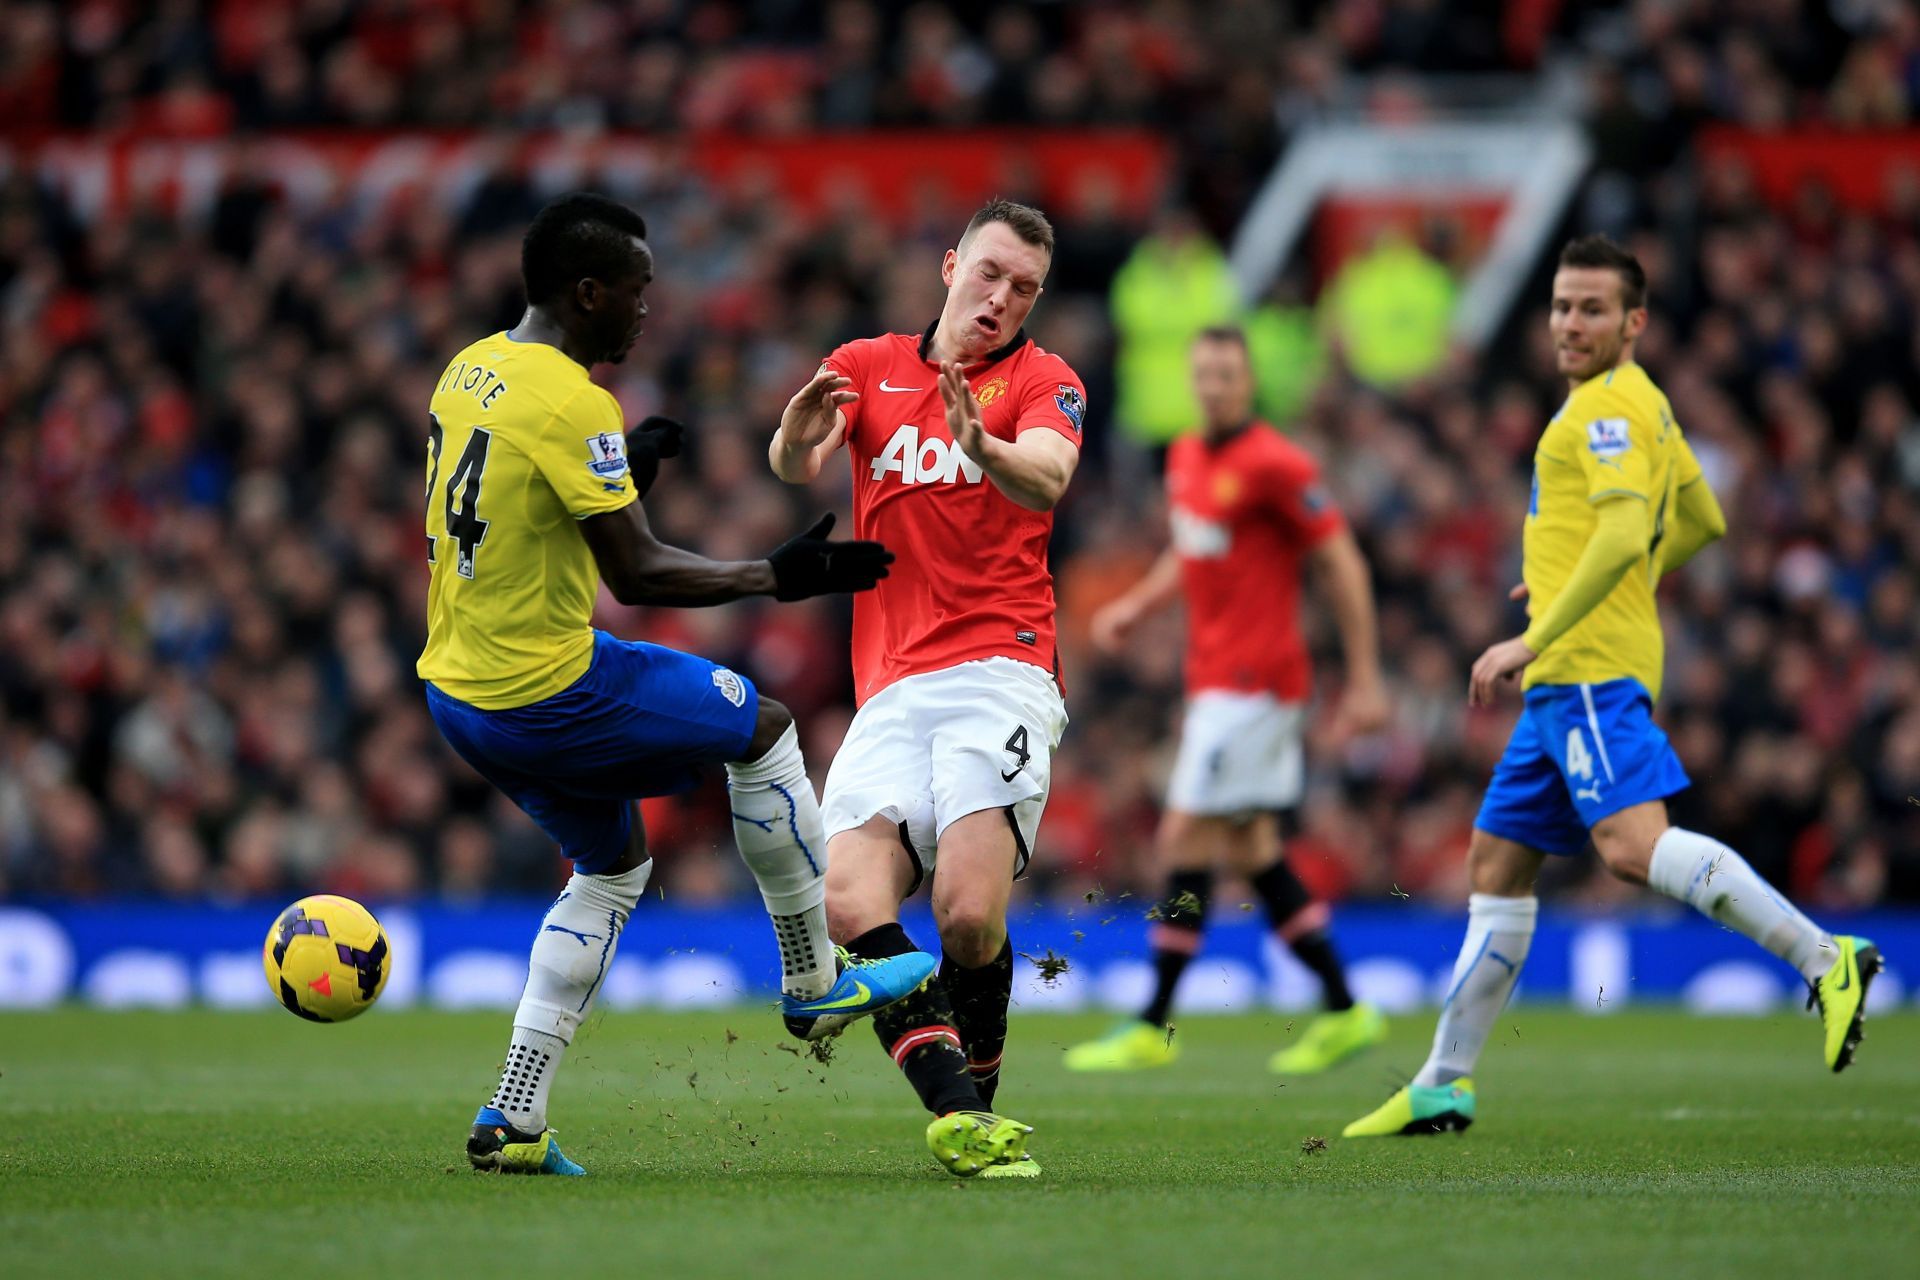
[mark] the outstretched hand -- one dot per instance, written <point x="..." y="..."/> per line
<point x="655" y="438"/>
<point x="808" y="564"/>
<point x="965" y="418"/>
<point x="814" y="411"/>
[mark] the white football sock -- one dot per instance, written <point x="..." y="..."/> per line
<point x="570" y="957"/>
<point x="776" y="823"/>
<point x="1701" y="871"/>
<point x="1499" y="934"/>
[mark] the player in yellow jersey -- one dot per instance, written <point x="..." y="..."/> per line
<point x="1618" y="500"/>
<point x="532" y="500"/>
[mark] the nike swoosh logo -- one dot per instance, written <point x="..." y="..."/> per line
<point x="861" y="995"/>
<point x="1846" y="980"/>
<point x="885" y="387"/>
<point x="1009" y="777"/>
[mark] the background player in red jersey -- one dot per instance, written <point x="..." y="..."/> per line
<point x="961" y="439"/>
<point x="1248" y="511"/>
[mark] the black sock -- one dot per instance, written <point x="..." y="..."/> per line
<point x="1285" y="898"/>
<point x="920" y="1033"/>
<point x="1176" y="937"/>
<point x="980" y="998"/>
<point x="1315" y="950"/>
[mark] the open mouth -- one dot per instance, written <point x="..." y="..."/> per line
<point x="988" y="325"/>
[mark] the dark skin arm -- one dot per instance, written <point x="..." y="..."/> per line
<point x="640" y="569"/>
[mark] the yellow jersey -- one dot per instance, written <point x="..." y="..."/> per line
<point x="520" y="446"/>
<point x="1614" y="438"/>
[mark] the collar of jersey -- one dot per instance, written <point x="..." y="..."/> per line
<point x="1214" y="446"/>
<point x="994" y="356"/>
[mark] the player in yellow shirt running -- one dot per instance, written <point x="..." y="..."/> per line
<point x="532" y="500"/>
<point x="1618" y="500"/>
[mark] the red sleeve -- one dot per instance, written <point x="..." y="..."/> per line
<point x="850" y="360"/>
<point x="1299" y="498"/>
<point x="1053" y="397"/>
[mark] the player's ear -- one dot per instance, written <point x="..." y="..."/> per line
<point x="1636" y="322"/>
<point x="586" y="294"/>
<point x="947" y="265"/>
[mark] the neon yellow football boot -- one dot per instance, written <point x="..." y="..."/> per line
<point x="969" y="1142"/>
<point x="1446" y="1108"/>
<point x="1020" y="1167"/>
<point x="1329" y="1040"/>
<point x="1131" y="1046"/>
<point x="1841" y="994"/>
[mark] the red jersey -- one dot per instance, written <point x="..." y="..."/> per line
<point x="970" y="579"/>
<point x="1244" y="513"/>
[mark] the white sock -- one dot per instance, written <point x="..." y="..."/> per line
<point x="570" y="957"/>
<point x="776" y="823"/>
<point x="1499" y="934"/>
<point x="1718" y="882"/>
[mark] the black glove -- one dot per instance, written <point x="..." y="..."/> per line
<point x="809" y="565"/>
<point x="654" y="439"/>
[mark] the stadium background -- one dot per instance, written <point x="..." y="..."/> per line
<point x="238" y="241"/>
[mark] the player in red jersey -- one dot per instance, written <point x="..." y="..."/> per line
<point x="1248" y="511"/>
<point x="961" y="439"/>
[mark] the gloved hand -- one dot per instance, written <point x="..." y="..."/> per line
<point x="655" y="438"/>
<point x="808" y="564"/>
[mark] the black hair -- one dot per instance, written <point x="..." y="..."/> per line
<point x="1601" y="251"/>
<point x="578" y="235"/>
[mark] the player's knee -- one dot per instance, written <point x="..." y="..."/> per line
<point x="971" y="932"/>
<point x="854" y="905"/>
<point x="1500" y="867"/>
<point x="774" y="720"/>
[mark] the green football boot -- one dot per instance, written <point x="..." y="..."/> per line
<point x="1329" y="1040"/>
<point x="1445" y="1108"/>
<point x="1131" y="1046"/>
<point x="968" y="1142"/>
<point x="1841" y="994"/>
<point x="1019" y="1167"/>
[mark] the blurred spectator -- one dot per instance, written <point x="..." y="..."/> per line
<point x="1173" y="285"/>
<point x="1388" y="312"/>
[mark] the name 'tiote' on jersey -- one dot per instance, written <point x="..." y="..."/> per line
<point x="520" y="445"/>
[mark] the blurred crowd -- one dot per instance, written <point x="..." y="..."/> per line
<point x="1228" y="78"/>
<point x="212" y="429"/>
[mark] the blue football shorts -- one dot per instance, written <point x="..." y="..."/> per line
<point x="1580" y="753"/>
<point x="644" y="720"/>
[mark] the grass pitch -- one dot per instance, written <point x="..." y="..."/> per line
<point x="1646" y="1143"/>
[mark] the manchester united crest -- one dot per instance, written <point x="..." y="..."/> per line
<point x="991" y="391"/>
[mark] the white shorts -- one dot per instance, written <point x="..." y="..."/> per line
<point x="1240" y="753"/>
<point x="936" y="747"/>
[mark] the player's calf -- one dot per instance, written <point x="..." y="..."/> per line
<point x="776" y="824"/>
<point x="570" y="956"/>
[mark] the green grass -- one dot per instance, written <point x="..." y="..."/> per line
<point x="1646" y="1143"/>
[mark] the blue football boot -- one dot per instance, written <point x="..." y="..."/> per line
<point x="863" y="987"/>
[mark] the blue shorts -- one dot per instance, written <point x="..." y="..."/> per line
<point x="1580" y="753"/>
<point x="642" y="721"/>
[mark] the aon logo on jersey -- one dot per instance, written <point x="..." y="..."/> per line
<point x="929" y="461"/>
<point x="1198" y="539"/>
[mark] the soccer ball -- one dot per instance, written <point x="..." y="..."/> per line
<point x="326" y="958"/>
